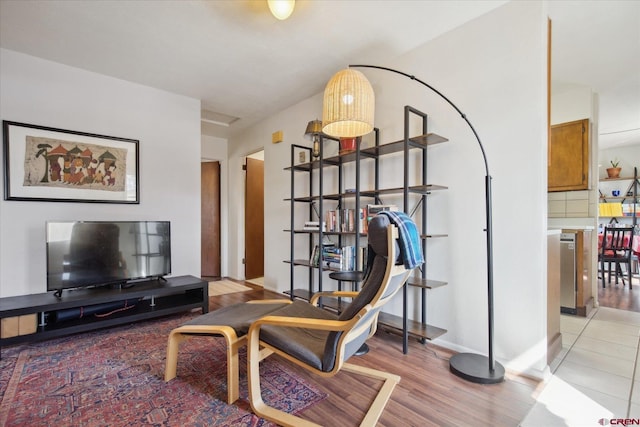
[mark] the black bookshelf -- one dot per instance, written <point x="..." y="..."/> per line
<point x="413" y="194"/>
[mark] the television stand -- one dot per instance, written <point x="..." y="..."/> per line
<point x="159" y="297"/>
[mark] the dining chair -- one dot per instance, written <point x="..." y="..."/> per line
<point x="615" y="250"/>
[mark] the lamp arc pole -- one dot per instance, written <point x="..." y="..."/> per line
<point x="472" y="367"/>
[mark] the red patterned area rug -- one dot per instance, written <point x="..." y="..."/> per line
<point x="115" y="378"/>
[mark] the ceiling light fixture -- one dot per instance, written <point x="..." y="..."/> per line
<point x="348" y="105"/>
<point x="281" y="9"/>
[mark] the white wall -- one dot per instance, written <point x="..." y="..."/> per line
<point x="45" y="93"/>
<point x="494" y="69"/>
<point x="292" y="122"/>
<point x="627" y="155"/>
<point x="213" y="148"/>
<point x="499" y="83"/>
<point x="570" y="103"/>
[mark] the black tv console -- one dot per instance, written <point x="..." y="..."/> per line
<point x="159" y="298"/>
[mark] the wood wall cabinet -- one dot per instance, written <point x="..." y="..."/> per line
<point x="413" y="201"/>
<point x="568" y="167"/>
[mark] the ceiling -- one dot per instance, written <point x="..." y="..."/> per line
<point x="244" y="65"/>
<point x="597" y="44"/>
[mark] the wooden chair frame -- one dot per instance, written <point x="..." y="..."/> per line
<point x="255" y="354"/>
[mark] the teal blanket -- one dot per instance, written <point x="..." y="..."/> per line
<point x="409" y="238"/>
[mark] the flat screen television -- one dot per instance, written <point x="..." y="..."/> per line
<point x="95" y="253"/>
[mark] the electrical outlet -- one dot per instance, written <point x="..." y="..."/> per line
<point x="302" y="157"/>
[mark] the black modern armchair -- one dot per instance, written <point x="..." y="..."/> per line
<point x="322" y="342"/>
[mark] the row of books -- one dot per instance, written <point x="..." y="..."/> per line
<point x="344" y="220"/>
<point x="628" y="209"/>
<point x="345" y="258"/>
<point x="618" y="209"/>
<point x="314" y="226"/>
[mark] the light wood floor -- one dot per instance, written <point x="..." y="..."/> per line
<point x="428" y="394"/>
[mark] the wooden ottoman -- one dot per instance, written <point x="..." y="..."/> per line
<point x="232" y="323"/>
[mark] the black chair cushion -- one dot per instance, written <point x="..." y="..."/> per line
<point x="318" y="348"/>
<point x="238" y="316"/>
<point x="377" y="234"/>
<point x="306" y="345"/>
<point x="378" y="250"/>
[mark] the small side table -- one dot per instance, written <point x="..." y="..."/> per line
<point x="354" y="277"/>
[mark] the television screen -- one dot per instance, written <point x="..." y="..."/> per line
<point x="91" y="253"/>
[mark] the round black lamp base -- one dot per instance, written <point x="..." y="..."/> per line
<point x="364" y="349"/>
<point x="475" y="368"/>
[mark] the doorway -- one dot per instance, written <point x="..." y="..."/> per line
<point x="254" y="217"/>
<point x="210" y="219"/>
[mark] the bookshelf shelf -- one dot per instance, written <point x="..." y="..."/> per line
<point x="420" y="141"/>
<point x="417" y="330"/>
<point x="417" y="189"/>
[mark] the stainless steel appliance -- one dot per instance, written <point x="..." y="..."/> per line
<point x="568" y="284"/>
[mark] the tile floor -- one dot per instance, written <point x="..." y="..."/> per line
<point x="596" y="375"/>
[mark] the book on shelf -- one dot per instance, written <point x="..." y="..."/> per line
<point x="314" y="259"/>
<point x="373" y="210"/>
<point x="331" y="254"/>
<point x="630" y="210"/>
<point x="344" y="220"/>
<point x="347" y="262"/>
<point x="314" y="226"/>
<point x="341" y="258"/>
<point x="362" y="258"/>
<point x="362" y="223"/>
<point x="610" y="209"/>
<point x="351" y="220"/>
<point x="333" y="220"/>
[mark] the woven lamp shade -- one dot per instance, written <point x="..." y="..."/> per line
<point x="349" y="105"/>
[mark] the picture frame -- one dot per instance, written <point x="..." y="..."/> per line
<point x="59" y="165"/>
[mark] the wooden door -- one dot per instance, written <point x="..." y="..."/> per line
<point x="254" y="219"/>
<point x="569" y="156"/>
<point x="210" y="219"/>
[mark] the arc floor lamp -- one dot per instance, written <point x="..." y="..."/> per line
<point x="348" y="111"/>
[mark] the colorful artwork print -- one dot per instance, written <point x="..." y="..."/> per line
<point x="52" y="162"/>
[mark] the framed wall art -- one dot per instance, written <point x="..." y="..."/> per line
<point x="48" y="164"/>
